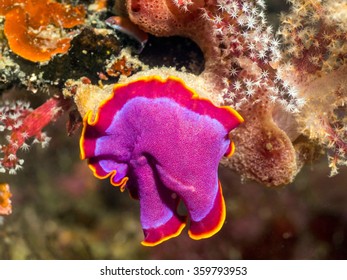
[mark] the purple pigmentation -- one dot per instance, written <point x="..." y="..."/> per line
<point x="163" y="143"/>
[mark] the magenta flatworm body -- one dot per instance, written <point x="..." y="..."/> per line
<point x="162" y="142"/>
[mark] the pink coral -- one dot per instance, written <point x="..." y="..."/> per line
<point x="22" y="123"/>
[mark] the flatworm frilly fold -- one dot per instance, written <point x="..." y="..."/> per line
<point x="159" y="140"/>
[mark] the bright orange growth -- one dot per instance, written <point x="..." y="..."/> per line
<point x="35" y="28"/>
<point x="98" y="5"/>
<point x="5" y="202"/>
<point x="5" y="6"/>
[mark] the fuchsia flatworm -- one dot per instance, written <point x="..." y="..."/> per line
<point x="162" y="142"/>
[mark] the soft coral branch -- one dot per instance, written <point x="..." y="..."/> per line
<point x="314" y="59"/>
<point x="24" y="123"/>
<point x="337" y="145"/>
